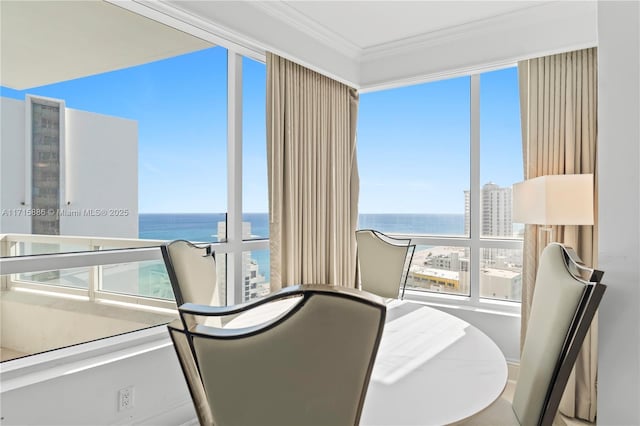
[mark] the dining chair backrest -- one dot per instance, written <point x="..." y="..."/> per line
<point x="383" y="262"/>
<point x="564" y="303"/>
<point x="192" y="272"/>
<point x="308" y="365"/>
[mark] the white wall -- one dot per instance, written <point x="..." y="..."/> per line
<point x="85" y="392"/>
<point x="619" y="211"/>
<point x="12" y="165"/>
<point x="101" y="173"/>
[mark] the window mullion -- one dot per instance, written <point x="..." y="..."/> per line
<point x="234" y="178"/>
<point x="475" y="211"/>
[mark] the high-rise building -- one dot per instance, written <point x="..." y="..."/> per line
<point x="496" y="211"/>
<point x="65" y="171"/>
<point x="495" y="203"/>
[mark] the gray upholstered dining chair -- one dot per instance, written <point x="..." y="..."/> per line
<point x="309" y="365"/>
<point x="565" y="299"/>
<point x="383" y="262"/>
<point x="192" y="272"/>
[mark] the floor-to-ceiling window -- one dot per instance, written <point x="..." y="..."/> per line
<point x="437" y="161"/>
<point x="142" y="154"/>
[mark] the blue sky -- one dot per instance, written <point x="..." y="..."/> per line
<point x="414" y="149"/>
<point x="413" y="142"/>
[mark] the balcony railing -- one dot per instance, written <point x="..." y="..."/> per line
<point x="60" y="291"/>
<point x="121" y="270"/>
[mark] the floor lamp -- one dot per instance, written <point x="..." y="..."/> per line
<point x="553" y="200"/>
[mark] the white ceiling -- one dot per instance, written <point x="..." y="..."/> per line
<point x="44" y="42"/>
<point x="367" y="24"/>
<point x="373" y="44"/>
<point x="367" y="44"/>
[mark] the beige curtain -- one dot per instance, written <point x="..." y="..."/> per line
<point x="313" y="176"/>
<point x="558" y="96"/>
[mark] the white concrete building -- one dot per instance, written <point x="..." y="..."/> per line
<point x="81" y="179"/>
<point x="500" y="284"/>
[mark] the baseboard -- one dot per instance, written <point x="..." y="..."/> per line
<point x="513" y="368"/>
<point x="182" y="414"/>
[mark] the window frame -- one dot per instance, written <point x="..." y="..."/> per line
<point x="235" y="245"/>
<point x="475" y="242"/>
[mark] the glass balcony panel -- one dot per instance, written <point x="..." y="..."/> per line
<point x="148" y="279"/>
<point x="73" y="277"/>
<point x="61" y="320"/>
<point x="27" y="248"/>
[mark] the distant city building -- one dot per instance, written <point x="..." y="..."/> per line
<point x="496" y="211"/>
<point x="450" y="262"/>
<point x="467" y="213"/>
<point x="446" y="269"/>
<point x="500" y="283"/>
<point x="433" y="279"/>
<point x="440" y="269"/>
<point x="495" y="205"/>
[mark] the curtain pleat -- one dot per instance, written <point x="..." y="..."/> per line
<point x="558" y="95"/>
<point x="313" y="176"/>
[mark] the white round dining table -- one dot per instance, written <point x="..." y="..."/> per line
<point x="432" y="368"/>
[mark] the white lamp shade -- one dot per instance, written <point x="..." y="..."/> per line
<point x="554" y="200"/>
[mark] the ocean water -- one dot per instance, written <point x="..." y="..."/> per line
<point x="420" y="224"/>
<point x="203" y="227"/>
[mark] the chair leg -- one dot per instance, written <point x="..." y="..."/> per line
<point x="412" y="249"/>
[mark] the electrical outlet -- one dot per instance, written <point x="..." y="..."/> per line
<point x="125" y="398"/>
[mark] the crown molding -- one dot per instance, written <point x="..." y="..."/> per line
<point x="312" y="28"/>
<point x="403" y="81"/>
<point x="483" y="46"/>
<point x="496" y="23"/>
<point x="251" y="28"/>
<point x="170" y="13"/>
<point x="179" y="15"/>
